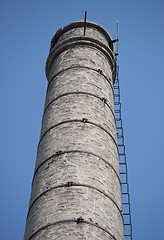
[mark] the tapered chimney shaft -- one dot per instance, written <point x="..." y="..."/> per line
<point x="76" y="189"/>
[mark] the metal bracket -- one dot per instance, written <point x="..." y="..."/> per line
<point x="80" y="220"/>
<point x="116" y="40"/>
<point x="69" y="183"/>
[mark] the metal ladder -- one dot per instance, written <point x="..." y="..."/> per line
<point x="122" y="161"/>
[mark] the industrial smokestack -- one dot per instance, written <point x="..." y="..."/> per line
<point x="76" y="188"/>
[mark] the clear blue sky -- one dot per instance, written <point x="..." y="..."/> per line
<point x="26" y="30"/>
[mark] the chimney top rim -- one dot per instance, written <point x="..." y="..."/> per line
<point x="80" y="24"/>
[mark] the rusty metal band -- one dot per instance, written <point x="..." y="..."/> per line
<point x="76" y="185"/>
<point x="75" y="151"/>
<point x="78" y="92"/>
<point x="57" y="50"/>
<point x="84" y="39"/>
<point x="79" y="66"/>
<point x="78" y="121"/>
<point x="72" y="221"/>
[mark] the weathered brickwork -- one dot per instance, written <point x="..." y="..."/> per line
<point x="76" y="190"/>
